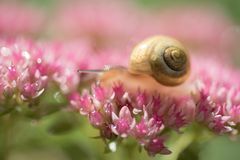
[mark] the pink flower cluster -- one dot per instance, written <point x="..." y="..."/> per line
<point x="27" y="69"/>
<point x="217" y="96"/>
<point x="19" y="74"/>
<point x="116" y="112"/>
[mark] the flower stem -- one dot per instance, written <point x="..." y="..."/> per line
<point x="180" y="145"/>
<point x="6" y="125"/>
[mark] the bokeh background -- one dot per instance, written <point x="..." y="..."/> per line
<point x="68" y="136"/>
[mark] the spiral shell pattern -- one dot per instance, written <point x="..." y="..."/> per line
<point x="175" y="58"/>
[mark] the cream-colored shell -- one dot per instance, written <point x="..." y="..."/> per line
<point x="148" y="58"/>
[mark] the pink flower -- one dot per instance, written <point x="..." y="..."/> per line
<point x="82" y="103"/>
<point x="147" y="127"/>
<point x="32" y="90"/>
<point x="96" y="119"/>
<point x="235" y="113"/>
<point x="124" y="123"/>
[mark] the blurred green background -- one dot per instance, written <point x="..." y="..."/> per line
<point x="232" y="7"/>
<point x="66" y="136"/>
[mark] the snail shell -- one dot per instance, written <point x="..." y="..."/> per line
<point x="163" y="58"/>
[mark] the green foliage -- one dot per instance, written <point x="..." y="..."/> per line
<point x="232" y="7"/>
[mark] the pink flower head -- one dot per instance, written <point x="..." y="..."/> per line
<point x="20" y="71"/>
<point x="28" y="69"/>
<point x="139" y="115"/>
<point x="217" y="95"/>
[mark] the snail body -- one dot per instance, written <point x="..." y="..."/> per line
<point x="134" y="81"/>
<point x="155" y="64"/>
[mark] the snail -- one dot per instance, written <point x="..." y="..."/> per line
<point x="155" y="64"/>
